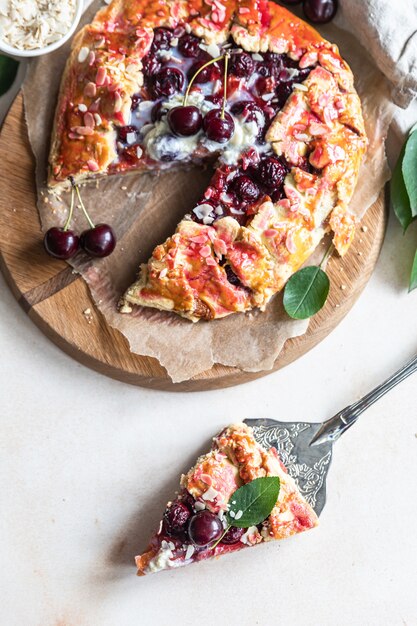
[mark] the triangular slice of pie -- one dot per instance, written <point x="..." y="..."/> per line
<point x="280" y="119"/>
<point x="193" y="526"/>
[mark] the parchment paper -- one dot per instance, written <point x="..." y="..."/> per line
<point x="144" y="209"/>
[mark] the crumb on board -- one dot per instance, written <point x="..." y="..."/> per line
<point x="364" y="229"/>
<point x="88" y="315"/>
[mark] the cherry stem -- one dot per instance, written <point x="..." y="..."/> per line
<point x="200" y="69"/>
<point x="226" y="62"/>
<point x="69" y="218"/>
<point x="327" y="254"/>
<point x="220" y="538"/>
<point x="77" y="191"/>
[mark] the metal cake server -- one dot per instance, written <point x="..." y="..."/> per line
<point x="306" y="449"/>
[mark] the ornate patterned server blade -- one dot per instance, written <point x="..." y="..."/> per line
<point x="308" y="466"/>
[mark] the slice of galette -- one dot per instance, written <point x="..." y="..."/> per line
<point x="225" y="504"/>
<point x="245" y="84"/>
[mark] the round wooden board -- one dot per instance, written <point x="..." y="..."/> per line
<point x="54" y="297"/>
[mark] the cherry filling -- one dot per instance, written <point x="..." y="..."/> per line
<point x="193" y="533"/>
<point x="235" y="191"/>
<point x="257" y="87"/>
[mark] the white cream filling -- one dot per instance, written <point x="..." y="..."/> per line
<point x="162" y="145"/>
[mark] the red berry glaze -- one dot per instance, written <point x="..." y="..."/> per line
<point x="185" y="121"/>
<point x="205" y="527"/>
<point x="99" y="241"/>
<point x="218" y="128"/>
<point x="61" y="244"/>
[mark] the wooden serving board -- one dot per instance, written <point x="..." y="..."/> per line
<point x="55" y="298"/>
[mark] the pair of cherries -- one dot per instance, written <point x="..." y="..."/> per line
<point x="62" y="243"/>
<point x="99" y="241"/>
<point x="187" y="120"/>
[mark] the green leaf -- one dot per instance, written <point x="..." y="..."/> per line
<point x="306" y="292"/>
<point x="8" y="71"/>
<point x="399" y="196"/>
<point x="413" y="277"/>
<point x="251" y="504"/>
<point x="409" y="169"/>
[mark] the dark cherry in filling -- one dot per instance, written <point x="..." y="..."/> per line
<point x="232" y="278"/>
<point x="233" y="535"/>
<point x="161" y="39"/>
<point x="242" y="65"/>
<point x="271" y="173"/>
<point x="208" y="74"/>
<point x="245" y="188"/>
<point x="167" y="82"/>
<point x="189" y="46"/>
<point x="151" y="65"/>
<point x="176" y="518"/>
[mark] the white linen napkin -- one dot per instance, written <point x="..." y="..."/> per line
<point x="389" y="31"/>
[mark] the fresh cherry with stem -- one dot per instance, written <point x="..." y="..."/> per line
<point x="218" y="124"/>
<point x="62" y="243"/>
<point x="99" y="240"/>
<point x="184" y="120"/>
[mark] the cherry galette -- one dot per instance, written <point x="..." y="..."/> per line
<point x="168" y="84"/>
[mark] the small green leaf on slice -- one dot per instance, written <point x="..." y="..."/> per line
<point x="306" y="292"/>
<point x="409" y="169"/>
<point x="251" y="504"/>
<point x="413" y="277"/>
<point x="8" y="71"/>
<point x="399" y="196"/>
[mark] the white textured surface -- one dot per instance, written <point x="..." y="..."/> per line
<point x="87" y="464"/>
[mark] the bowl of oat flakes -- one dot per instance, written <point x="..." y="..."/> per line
<point x="30" y="28"/>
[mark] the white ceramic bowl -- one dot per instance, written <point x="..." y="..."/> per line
<point x="15" y="52"/>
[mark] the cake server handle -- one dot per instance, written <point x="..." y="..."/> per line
<point x="334" y="427"/>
